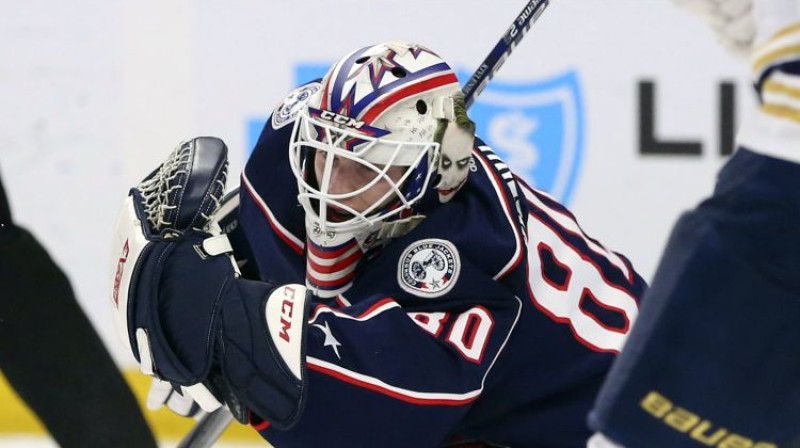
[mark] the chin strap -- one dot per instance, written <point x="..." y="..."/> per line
<point x="395" y="229"/>
<point x="331" y="260"/>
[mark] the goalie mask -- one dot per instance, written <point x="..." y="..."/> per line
<point x="386" y="131"/>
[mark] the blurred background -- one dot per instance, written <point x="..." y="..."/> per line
<point x="622" y="109"/>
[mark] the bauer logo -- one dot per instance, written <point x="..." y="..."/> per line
<point x="537" y="127"/>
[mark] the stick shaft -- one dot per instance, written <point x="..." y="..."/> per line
<point x="530" y="13"/>
<point x="208" y="429"/>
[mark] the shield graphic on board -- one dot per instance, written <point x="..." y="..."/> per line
<point x="537" y="128"/>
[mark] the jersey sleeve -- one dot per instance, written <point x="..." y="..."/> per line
<point x="268" y="215"/>
<point x="397" y="372"/>
<point x="774" y="127"/>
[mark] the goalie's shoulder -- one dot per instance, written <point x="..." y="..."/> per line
<point x="486" y="220"/>
<point x="287" y="109"/>
<point x="267" y="169"/>
<point x="272" y="145"/>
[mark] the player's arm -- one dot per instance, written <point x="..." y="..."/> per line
<point x="388" y="372"/>
<point x="190" y="320"/>
<point x="712" y="360"/>
<point x="182" y="308"/>
<point x="163" y="393"/>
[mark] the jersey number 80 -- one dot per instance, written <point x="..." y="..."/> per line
<point x="571" y="287"/>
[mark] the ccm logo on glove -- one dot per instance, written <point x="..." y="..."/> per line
<point x="286" y="313"/>
<point x="284" y="304"/>
<point x="118" y="276"/>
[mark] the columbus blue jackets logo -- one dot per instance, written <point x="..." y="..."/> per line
<point x="537" y="128"/>
<point x="287" y="111"/>
<point x="428" y="268"/>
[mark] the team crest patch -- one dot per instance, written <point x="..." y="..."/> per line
<point x="289" y="108"/>
<point x="429" y="268"/>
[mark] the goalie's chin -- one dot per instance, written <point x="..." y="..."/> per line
<point x="338" y="214"/>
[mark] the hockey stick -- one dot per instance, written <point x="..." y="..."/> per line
<point x="209" y="428"/>
<point x="530" y="13"/>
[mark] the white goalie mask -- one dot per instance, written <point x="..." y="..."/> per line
<point x="385" y="112"/>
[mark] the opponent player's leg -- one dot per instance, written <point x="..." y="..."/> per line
<point x="53" y="357"/>
<point x="712" y="360"/>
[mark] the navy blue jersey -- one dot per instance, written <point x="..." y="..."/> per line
<point x="509" y="345"/>
<point x="713" y="359"/>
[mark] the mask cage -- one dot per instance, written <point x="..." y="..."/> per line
<point x="311" y="135"/>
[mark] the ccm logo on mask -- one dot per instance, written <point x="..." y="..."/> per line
<point x="341" y="119"/>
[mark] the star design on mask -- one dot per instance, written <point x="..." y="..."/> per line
<point x="377" y="66"/>
<point x="416" y="50"/>
<point x="329" y="341"/>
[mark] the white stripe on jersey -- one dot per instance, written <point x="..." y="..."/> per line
<point x="505" y="204"/>
<point x="774" y="129"/>
<point x="278" y="226"/>
<point x="376" y="309"/>
<point x="776" y="93"/>
<point x="332" y="261"/>
<point x="418" y="397"/>
<point x="783" y="48"/>
<point x="568" y="223"/>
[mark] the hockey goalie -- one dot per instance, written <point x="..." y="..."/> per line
<point x="383" y="278"/>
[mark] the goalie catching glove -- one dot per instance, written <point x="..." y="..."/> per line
<point x="181" y="307"/>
